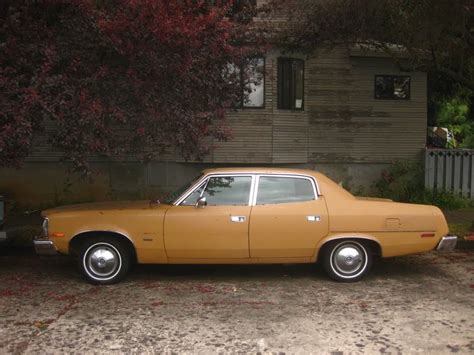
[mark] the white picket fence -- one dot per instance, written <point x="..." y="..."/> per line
<point x="450" y="170"/>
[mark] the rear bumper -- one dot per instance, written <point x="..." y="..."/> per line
<point x="44" y="247"/>
<point x="447" y="243"/>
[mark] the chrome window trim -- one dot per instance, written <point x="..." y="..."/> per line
<point x="313" y="181"/>
<point x="253" y="187"/>
<point x="189" y="191"/>
<point x="186" y="194"/>
<point x="194" y="188"/>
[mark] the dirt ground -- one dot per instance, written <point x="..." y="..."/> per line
<point x="409" y="304"/>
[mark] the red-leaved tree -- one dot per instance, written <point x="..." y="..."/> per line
<point x="118" y="77"/>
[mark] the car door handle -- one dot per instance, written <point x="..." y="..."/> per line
<point x="313" y="218"/>
<point x="237" y="219"/>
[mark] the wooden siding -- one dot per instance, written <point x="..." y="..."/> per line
<point x="341" y="121"/>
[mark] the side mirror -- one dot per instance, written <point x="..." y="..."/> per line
<point x="201" y="202"/>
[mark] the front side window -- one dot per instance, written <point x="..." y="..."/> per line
<point x="392" y="87"/>
<point x="274" y="190"/>
<point x="290" y="84"/>
<point x="228" y="190"/>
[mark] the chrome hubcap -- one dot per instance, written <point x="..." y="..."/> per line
<point x="102" y="261"/>
<point x="348" y="259"/>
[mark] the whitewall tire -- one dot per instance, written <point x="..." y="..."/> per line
<point x="104" y="260"/>
<point x="347" y="260"/>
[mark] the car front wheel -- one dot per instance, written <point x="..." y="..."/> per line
<point x="347" y="260"/>
<point x="104" y="261"/>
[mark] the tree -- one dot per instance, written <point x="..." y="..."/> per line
<point x="454" y="115"/>
<point x="118" y="77"/>
<point x="436" y="35"/>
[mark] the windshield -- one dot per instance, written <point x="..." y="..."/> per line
<point x="178" y="192"/>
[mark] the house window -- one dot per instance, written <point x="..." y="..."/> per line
<point x="392" y="87"/>
<point x="290" y="84"/>
<point x="253" y="83"/>
<point x="251" y="76"/>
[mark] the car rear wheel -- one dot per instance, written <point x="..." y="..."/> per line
<point x="347" y="260"/>
<point x="104" y="261"/>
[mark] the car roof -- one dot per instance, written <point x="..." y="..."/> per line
<point x="259" y="170"/>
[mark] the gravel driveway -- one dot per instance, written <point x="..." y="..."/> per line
<point x="408" y="304"/>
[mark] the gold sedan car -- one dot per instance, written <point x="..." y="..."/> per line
<point x="244" y="216"/>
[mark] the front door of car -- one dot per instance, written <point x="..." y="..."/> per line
<point x="288" y="218"/>
<point x="217" y="229"/>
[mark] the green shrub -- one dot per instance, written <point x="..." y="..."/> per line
<point x="454" y="115"/>
<point x="442" y="199"/>
<point x="401" y="182"/>
<point x="404" y="182"/>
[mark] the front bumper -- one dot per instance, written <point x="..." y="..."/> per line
<point x="44" y="247"/>
<point x="447" y="243"/>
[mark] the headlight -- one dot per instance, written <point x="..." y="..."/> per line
<point x="45" y="227"/>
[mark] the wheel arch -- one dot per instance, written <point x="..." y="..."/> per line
<point x="77" y="241"/>
<point x="371" y="241"/>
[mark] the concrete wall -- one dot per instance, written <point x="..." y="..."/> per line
<point x="44" y="184"/>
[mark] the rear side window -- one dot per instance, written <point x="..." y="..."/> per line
<point x="228" y="190"/>
<point x="274" y="190"/>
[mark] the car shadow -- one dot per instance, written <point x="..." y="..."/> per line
<point x="227" y="272"/>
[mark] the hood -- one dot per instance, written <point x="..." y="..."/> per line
<point x="105" y="206"/>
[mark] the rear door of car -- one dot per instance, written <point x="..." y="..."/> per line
<point x="288" y="217"/>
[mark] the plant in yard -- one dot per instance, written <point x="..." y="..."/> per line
<point x="401" y="182"/>
<point x="454" y="115"/>
<point x="404" y="182"/>
<point x="112" y="78"/>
